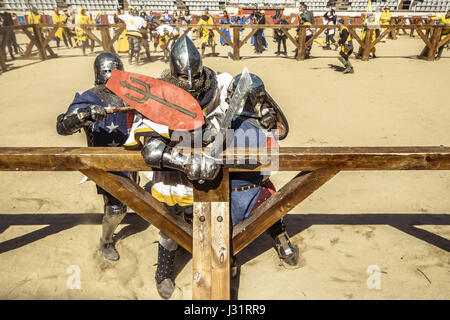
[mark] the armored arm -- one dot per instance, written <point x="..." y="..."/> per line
<point x="75" y="119"/>
<point x="158" y="154"/>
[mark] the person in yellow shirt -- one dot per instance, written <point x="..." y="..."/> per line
<point x="60" y="33"/>
<point x="207" y="38"/>
<point x="34" y="17"/>
<point x="385" y="19"/>
<point x="443" y="20"/>
<point x="346" y="43"/>
<point x="83" y="18"/>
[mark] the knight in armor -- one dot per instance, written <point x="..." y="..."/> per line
<point x="174" y="173"/>
<point x="136" y="26"/>
<point x="88" y="112"/>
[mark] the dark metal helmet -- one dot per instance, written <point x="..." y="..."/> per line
<point x="104" y="64"/>
<point x="185" y="60"/>
<point x="255" y="97"/>
<point x="259" y="99"/>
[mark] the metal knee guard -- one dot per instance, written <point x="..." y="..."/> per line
<point x="167" y="242"/>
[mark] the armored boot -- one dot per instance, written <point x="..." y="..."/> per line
<point x="115" y="211"/>
<point x="203" y="50"/>
<point x="287" y="251"/>
<point x="163" y="275"/>
<point x="349" y="68"/>
<point x="439" y="53"/>
<point x="137" y="56"/>
<point x="164" y="272"/>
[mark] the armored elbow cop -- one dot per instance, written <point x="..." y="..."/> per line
<point x="67" y="124"/>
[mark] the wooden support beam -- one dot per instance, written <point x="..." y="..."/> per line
<point x="115" y="38"/>
<point x="211" y="241"/>
<point x="367" y="46"/>
<point x="444" y="41"/>
<point x="142" y="202"/>
<point x="355" y="36"/>
<point x="286" y="159"/>
<point x="278" y="205"/>
<point x="436" y="36"/>
<point x="224" y="36"/>
<point x="315" y="35"/>
<point x="236" y="47"/>
<point x="424" y="38"/>
<point x="241" y="43"/>
<point x="38" y="36"/>
<point x="45" y="42"/>
<point x="301" y="42"/>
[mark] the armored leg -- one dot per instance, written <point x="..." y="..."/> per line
<point x="137" y="49"/>
<point x="115" y="211"/>
<point x="130" y="49"/>
<point x="439" y="53"/>
<point x="287" y="251"/>
<point x="164" y="272"/>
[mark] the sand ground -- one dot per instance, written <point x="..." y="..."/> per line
<point x="394" y="222"/>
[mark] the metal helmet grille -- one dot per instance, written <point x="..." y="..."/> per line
<point x="104" y="64"/>
<point x="185" y="58"/>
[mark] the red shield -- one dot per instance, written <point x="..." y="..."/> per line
<point x="159" y="101"/>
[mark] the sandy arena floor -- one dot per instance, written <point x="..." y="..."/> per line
<point x="395" y="222"/>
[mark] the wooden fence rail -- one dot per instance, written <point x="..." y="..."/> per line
<point x="430" y="34"/>
<point x="209" y="239"/>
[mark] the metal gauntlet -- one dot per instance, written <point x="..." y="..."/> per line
<point x="198" y="166"/>
<point x="158" y="155"/>
<point x="75" y="119"/>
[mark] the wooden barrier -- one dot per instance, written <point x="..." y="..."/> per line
<point x="430" y="34"/>
<point x="209" y="239"/>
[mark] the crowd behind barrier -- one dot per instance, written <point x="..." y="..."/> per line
<point x="104" y="30"/>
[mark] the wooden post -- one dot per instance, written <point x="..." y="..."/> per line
<point x="211" y="242"/>
<point x="302" y="45"/>
<point x="434" y="43"/>
<point x="38" y="42"/>
<point x="236" y="46"/>
<point x="3" y="44"/>
<point x="367" y="42"/>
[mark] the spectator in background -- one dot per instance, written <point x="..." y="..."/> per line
<point x="281" y="37"/>
<point x="329" y="18"/>
<point x="207" y="38"/>
<point x="34" y="17"/>
<point x="225" y="19"/>
<point x="377" y="20"/>
<point x="309" y="34"/>
<point x="167" y="17"/>
<point x="259" y="34"/>
<point x="12" y="42"/>
<point x="136" y="26"/>
<point x="186" y="18"/>
<point x="385" y="19"/>
<point x="308" y="15"/>
<point x="58" y="18"/>
<point x="444" y="20"/>
<point x="83" y="18"/>
<point x="346" y="43"/>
